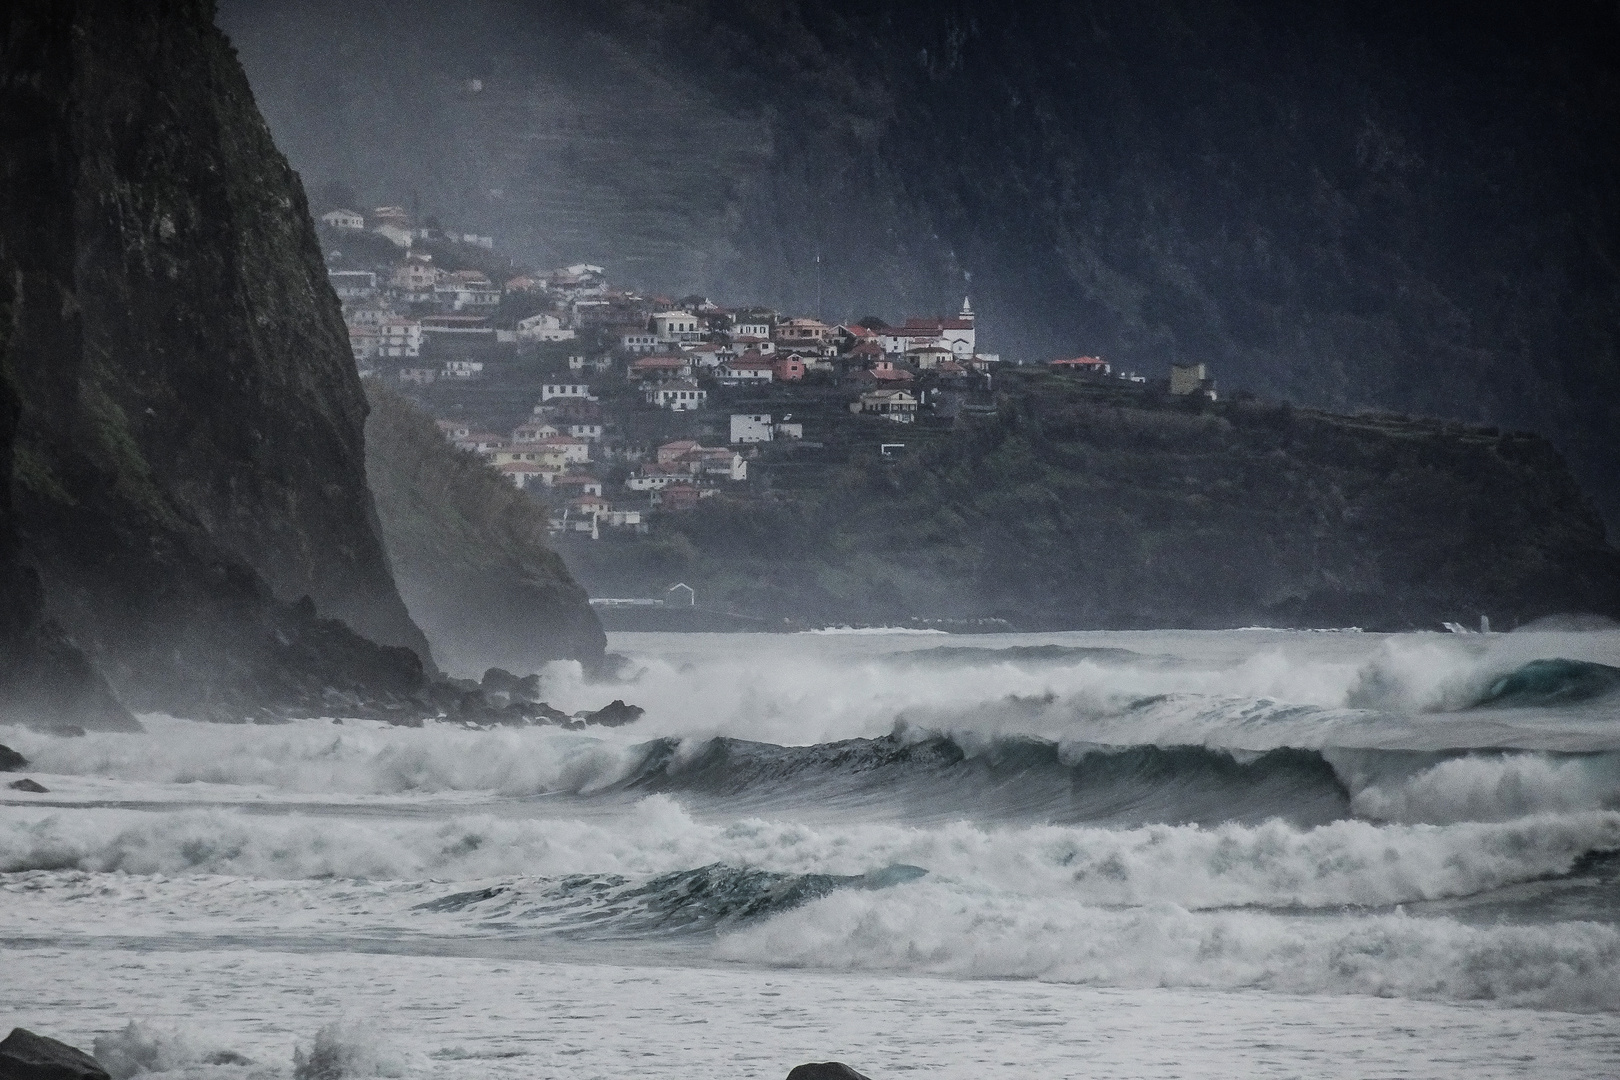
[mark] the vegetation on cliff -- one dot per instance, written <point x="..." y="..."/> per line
<point x="1101" y="505"/>
<point x="469" y="550"/>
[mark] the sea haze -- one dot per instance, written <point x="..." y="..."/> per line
<point x="1242" y="853"/>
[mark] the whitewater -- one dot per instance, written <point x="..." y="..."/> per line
<point x="1146" y="854"/>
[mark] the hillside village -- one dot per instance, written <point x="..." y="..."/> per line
<point x="614" y="407"/>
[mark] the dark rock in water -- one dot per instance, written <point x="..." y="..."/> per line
<point x="543" y="713"/>
<point x="227" y="1057"/>
<point x="614" y="714"/>
<point x="26" y="784"/>
<point x="824" y="1070"/>
<point x="500" y="681"/>
<point x="10" y="760"/>
<point x="26" y="1056"/>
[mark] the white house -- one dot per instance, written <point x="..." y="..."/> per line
<point x="533" y="431"/>
<point x="751" y="328"/>
<point x="706" y="355"/>
<point x="344" y="219"/>
<point x="788" y="431"/>
<point x="587" y="431"/>
<point x="655" y="481"/>
<point x="467" y="290"/>
<point x="353" y="284"/>
<point x="463" y="369"/>
<point x="400" y="336"/>
<point x="524" y="474"/>
<point x="676" y="326"/>
<point x="581" y="279"/>
<point x="678" y="396"/>
<point x="745" y="371"/>
<point x="897" y="405"/>
<point x="543" y="327"/>
<point x="415" y="280"/>
<point x="573" y="391"/>
<point x="751" y="427"/>
<point x="571" y="451"/>
<point x="638" y="342"/>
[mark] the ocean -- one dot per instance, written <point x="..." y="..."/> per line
<point x="1251" y="853"/>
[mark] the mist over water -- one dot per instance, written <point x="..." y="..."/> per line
<point x="1426" y="817"/>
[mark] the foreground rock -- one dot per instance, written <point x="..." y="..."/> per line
<point x="824" y="1070"/>
<point x="10" y="760"/>
<point x="28" y="785"/>
<point x="26" y="1056"/>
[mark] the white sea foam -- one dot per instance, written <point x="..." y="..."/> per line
<point x="1272" y="864"/>
<point x="181" y="761"/>
<point x="1481" y="787"/>
<point x="348" y="1051"/>
<point x="940" y="929"/>
<point x="357" y="758"/>
<point x="138" y="1049"/>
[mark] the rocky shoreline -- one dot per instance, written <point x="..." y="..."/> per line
<point x="27" y="1056"/>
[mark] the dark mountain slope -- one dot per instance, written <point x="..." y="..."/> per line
<point x="470" y="551"/>
<point x="1404" y="207"/>
<point x="1091" y="505"/>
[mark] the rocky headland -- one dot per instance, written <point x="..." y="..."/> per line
<point x="189" y="526"/>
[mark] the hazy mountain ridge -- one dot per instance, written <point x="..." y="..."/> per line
<point x="1348" y="206"/>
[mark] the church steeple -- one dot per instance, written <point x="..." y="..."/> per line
<point x="966" y="314"/>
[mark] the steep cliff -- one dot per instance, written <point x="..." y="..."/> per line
<point x="469" y="551"/>
<point x="44" y="680"/>
<point x="189" y="456"/>
<point x="1084" y="505"/>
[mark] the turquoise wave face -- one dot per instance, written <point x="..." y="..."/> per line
<point x="1552" y="682"/>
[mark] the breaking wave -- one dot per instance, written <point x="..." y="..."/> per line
<point x="1271" y="864"/>
<point x="941" y="929"/>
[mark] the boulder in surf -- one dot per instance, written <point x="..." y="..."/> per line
<point x="26" y="1056"/>
<point x="10" y="760"/>
<point x="824" y="1070"/>
<point x="26" y="784"/>
<point x="613" y="714"/>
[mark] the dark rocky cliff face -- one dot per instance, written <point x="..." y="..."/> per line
<point x="1405" y="207"/>
<point x="189" y="457"/>
<point x="44" y="679"/>
<point x="470" y="551"/>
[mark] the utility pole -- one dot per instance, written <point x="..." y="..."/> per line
<point x="818" y="284"/>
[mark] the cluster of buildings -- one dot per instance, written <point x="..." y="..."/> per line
<point x="419" y="323"/>
<point x="558" y="451"/>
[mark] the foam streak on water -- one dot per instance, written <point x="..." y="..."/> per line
<point x="1163" y="833"/>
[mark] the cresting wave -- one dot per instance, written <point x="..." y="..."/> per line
<point x="912" y="774"/>
<point x="938" y="776"/>
<point x="941" y="929"/>
<point x="1267" y="865"/>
